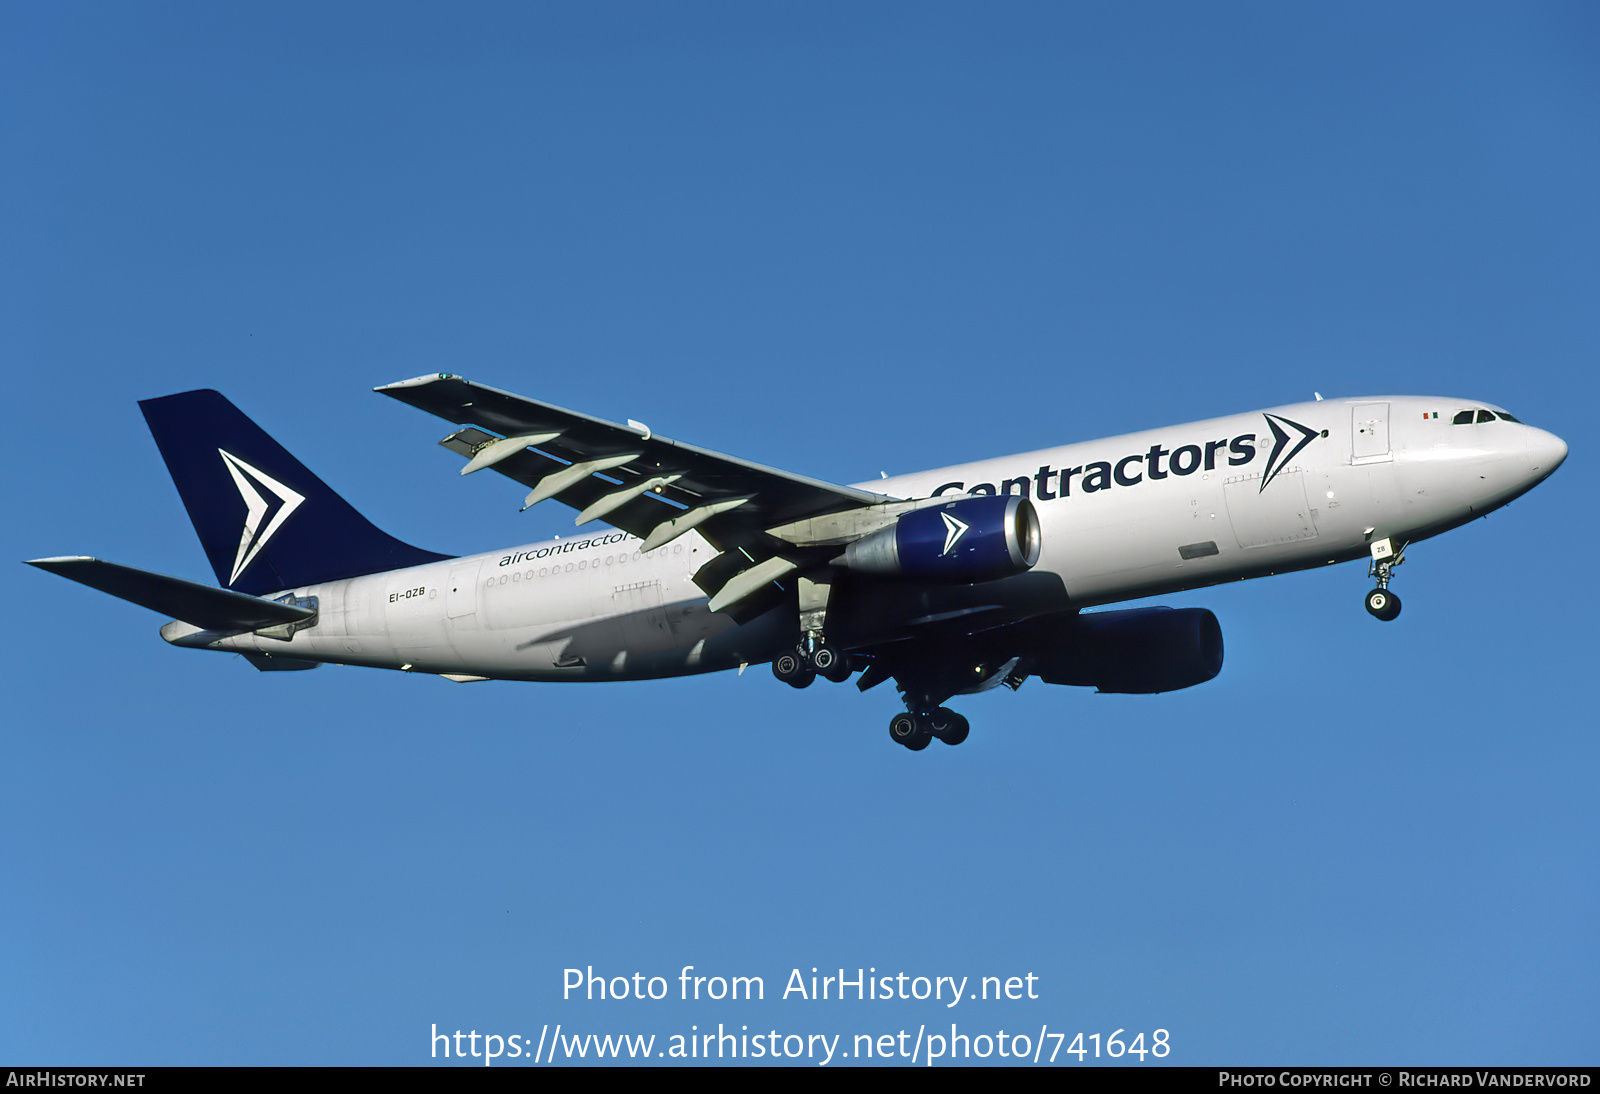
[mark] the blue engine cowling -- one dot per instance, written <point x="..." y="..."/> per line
<point x="962" y="542"/>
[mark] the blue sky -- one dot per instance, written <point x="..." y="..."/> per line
<point x="838" y="239"/>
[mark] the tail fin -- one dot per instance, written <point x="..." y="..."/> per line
<point x="265" y="521"/>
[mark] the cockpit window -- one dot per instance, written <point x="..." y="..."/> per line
<point x="1468" y="417"/>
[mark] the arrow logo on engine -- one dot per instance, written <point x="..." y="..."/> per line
<point x="953" y="531"/>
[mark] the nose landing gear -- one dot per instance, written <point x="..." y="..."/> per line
<point x="1381" y="603"/>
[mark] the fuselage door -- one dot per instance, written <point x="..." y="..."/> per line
<point x="461" y="597"/>
<point x="1369" y="433"/>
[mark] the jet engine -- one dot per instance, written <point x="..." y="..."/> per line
<point x="961" y="542"/>
<point x="1135" y="652"/>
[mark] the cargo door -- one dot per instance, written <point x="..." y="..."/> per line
<point x="1280" y="513"/>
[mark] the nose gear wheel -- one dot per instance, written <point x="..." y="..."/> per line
<point x="1381" y="603"/>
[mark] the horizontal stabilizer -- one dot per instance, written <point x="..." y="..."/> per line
<point x="202" y="605"/>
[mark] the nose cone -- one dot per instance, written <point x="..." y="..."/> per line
<point x="1545" y="451"/>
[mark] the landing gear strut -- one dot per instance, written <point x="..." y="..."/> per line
<point x="814" y="656"/>
<point x="916" y="728"/>
<point x="1381" y="603"/>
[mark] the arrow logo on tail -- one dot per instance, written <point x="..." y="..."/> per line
<point x="254" y="537"/>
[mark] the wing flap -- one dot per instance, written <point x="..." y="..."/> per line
<point x="531" y="467"/>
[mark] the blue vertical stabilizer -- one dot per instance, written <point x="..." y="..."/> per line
<point x="265" y="521"/>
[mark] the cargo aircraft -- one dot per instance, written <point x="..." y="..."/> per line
<point x="948" y="582"/>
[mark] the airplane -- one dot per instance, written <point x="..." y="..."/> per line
<point x="949" y="582"/>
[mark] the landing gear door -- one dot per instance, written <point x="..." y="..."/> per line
<point x="1369" y="433"/>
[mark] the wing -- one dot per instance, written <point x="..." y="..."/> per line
<point x="635" y="480"/>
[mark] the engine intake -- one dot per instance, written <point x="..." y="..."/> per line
<point x="961" y="542"/>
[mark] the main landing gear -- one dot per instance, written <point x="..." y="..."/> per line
<point x="1381" y="603"/>
<point x="917" y="728"/>
<point x="809" y="660"/>
<point x="813" y="657"/>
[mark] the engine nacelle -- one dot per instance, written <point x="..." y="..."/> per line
<point x="1136" y="652"/>
<point x="962" y="542"/>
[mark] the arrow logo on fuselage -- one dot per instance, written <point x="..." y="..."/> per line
<point x="953" y="531"/>
<point x="253" y="538"/>
<point x="1280" y="440"/>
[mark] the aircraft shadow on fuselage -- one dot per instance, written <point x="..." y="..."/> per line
<point x="649" y="642"/>
<point x="664" y="639"/>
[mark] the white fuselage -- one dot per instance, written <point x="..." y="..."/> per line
<point x="1124" y="517"/>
